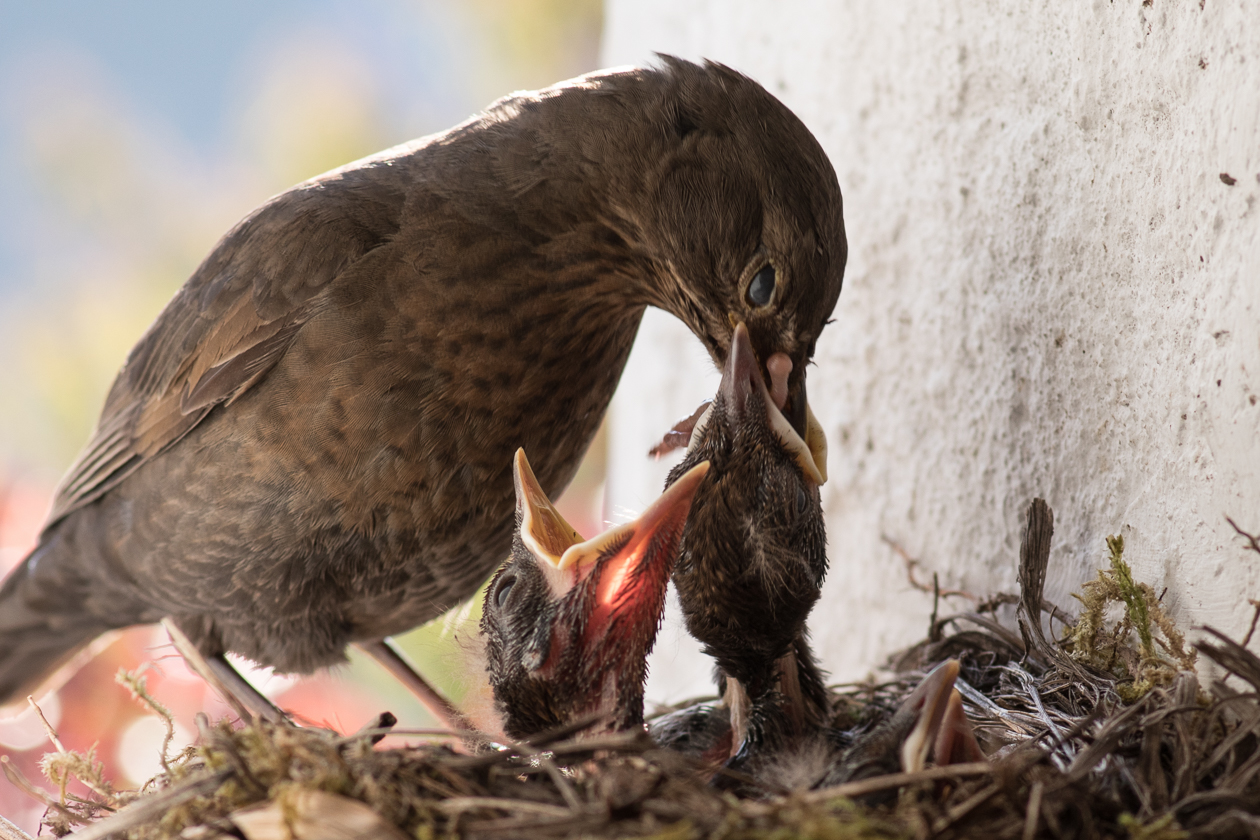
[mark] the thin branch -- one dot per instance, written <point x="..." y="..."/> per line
<point x="961" y="810"/>
<point x="1254" y="616"/>
<point x="151" y="807"/>
<point x="912" y="564"/>
<point x="9" y="831"/>
<point x="895" y="780"/>
<point x="48" y="727"/>
<point x="461" y="804"/>
<point x="1254" y="542"/>
<point x="23" y="784"/>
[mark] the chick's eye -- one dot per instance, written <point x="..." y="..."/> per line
<point x="802" y="501"/>
<point x="505" y="588"/>
<point x="761" y="289"/>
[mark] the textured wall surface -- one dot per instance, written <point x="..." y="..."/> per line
<point x="1053" y="289"/>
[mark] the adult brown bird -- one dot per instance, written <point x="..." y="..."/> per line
<point x="753" y="554"/>
<point x="311" y="444"/>
<point x="568" y="623"/>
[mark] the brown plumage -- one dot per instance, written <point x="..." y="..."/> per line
<point x="310" y="446"/>
<point x="568" y="624"/>
<point x="753" y="555"/>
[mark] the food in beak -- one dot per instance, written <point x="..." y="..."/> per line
<point x="810" y="453"/>
<point x="779" y="366"/>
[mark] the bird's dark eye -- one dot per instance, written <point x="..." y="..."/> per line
<point x="802" y="501"/>
<point x="505" y="588"/>
<point x="761" y="289"/>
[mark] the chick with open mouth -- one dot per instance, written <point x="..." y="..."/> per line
<point x="568" y="623"/>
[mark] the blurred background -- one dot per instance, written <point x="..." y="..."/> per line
<point x="133" y="134"/>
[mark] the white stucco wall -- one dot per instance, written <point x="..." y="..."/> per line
<point x="1051" y="291"/>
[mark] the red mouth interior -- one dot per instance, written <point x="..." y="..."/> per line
<point x="621" y="592"/>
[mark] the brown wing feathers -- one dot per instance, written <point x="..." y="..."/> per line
<point x="212" y="344"/>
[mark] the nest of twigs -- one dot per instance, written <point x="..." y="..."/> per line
<point x="1106" y="733"/>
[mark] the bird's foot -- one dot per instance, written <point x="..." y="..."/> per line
<point x="386" y="652"/>
<point x="248" y="702"/>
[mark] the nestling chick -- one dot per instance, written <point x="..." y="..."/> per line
<point x="928" y="726"/>
<point x="569" y="624"/>
<point x="753" y="554"/>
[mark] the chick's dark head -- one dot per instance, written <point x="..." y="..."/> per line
<point x="753" y="554"/>
<point x="568" y="623"/>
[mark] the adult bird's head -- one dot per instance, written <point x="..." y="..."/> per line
<point x="753" y="553"/>
<point x="749" y="211"/>
<point x="569" y="623"/>
<point x="708" y="195"/>
<point x="749" y="208"/>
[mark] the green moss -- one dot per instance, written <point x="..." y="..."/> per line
<point x="1131" y="594"/>
<point x="1154" y="660"/>
<point x="1164" y="828"/>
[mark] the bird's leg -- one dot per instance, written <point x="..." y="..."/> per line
<point x="248" y="702"/>
<point x="736" y="699"/>
<point x="801" y="684"/>
<point x="386" y="652"/>
<point x="229" y="682"/>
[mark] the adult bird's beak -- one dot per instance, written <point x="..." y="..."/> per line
<point x="788" y="392"/>
<point x="740" y="379"/>
<point x="801" y="417"/>
<point x="633" y="561"/>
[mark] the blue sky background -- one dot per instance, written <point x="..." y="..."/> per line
<point x="184" y="73"/>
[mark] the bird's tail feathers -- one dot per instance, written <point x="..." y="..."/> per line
<point x="39" y="645"/>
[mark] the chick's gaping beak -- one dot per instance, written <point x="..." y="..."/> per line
<point x="741" y="378"/>
<point x="633" y="561"/>
<point x="927" y="703"/>
<point x="956" y="741"/>
<point x="941" y="730"/>
<point x="545" y="533"/>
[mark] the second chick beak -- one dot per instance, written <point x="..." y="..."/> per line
<point x="941" y="730"/>
<point x="633" y="561"/>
